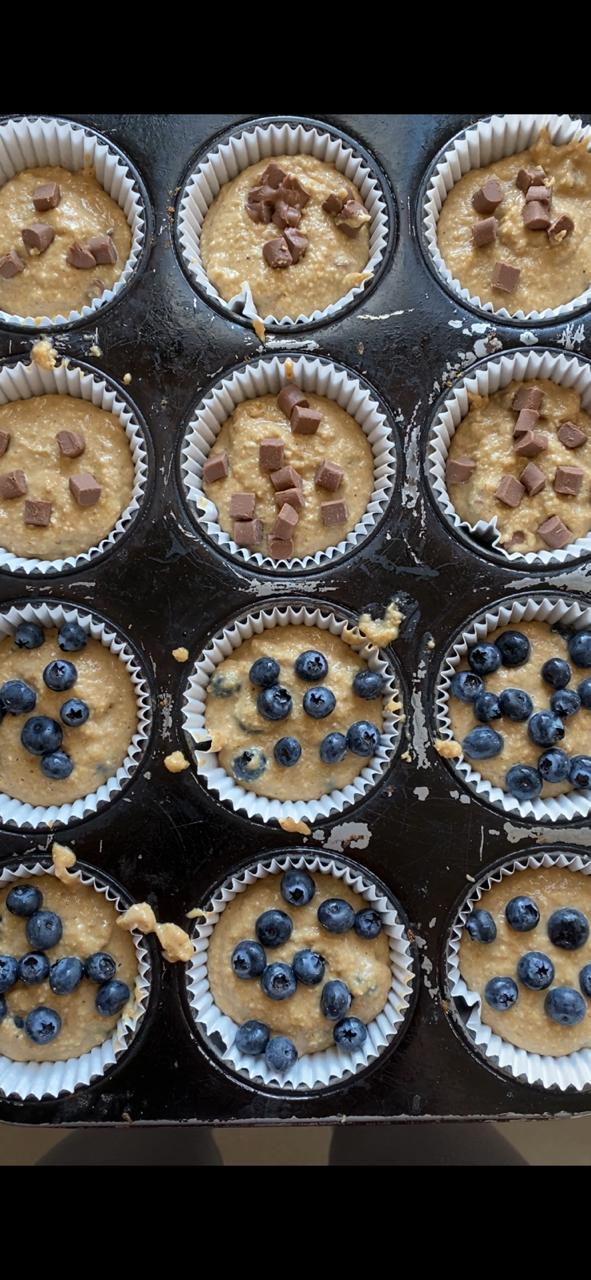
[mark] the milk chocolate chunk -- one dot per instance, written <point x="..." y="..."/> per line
<point x="271" y="453"/>
<point x="248" y="533"/>
<point x="527" y="420"/>
<point x="262" y="195"/>
<point x="543" y="194"/>
<point x="555" y="533"/>
<point x="38" y="236"/>
<point x="528" y="398"/>
<point x="335" y="512"/>
<point x="505" y="277"/>
<point x="328" y="475"/>
<point x="333" y="204"/>
<point x="563" y="227"/>
<point x="71" y="443"/>
<point x="536" y="216"/>
<point x="294" y="497"/>
<point x="352" y="217"/>
<point x="4" y="442"/>
<point x="305" y="422"/>
<point x="276" y="253"/>
<point x="296" y="243"/>
<point x="529" y="177"/>
<point x="510" y="490"/>
<point x="295" y="193"/>
<point x="286" y="478"/>
<point x="85" y="490"/>
<point x="216" y="467"/>
<point x="10" y="265"/>
<point x="259" y="212"/>
<point x="571" y="436"/>
<point x="37" y="512"/>
<point x="242" y="506"/>
<point x="286" y="215"/>
<point x="289" y="397"/>
<point x="80" y="257"/>
<point x="285" y="523"/>
<point x="568" y="480"/>
<point x="460" y="470"/>
<point x="281" y="549"/>
<point x="273" y="176"/>
<point x="13" y="484"/>
<point x="46" y="196"/>
<point x="533" y="478"/>
<point x="102" y="249"/>
<point x="484" y="232"/>
<point x="530" y="444"/>
<point x="489" y="196"/>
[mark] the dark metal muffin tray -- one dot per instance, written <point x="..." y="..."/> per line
<point x="421" y="832"/>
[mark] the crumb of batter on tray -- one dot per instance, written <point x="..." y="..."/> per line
<point x="448" y="748"/>
<point x="44" y="354"/>
<point x="176" y="762"/>
<point x="181" y="654"/>
<point x="431" y="643"/>
<point x="127" y="379"/>
<point x="381" y="631"/>
<point x="95" y="351"/>
<point x="62" y="858"/>
<point x="175" y="942"/>
<point x="259" y="328"/>
<point x="406" y="755"/>
<point x="290" y="824"/>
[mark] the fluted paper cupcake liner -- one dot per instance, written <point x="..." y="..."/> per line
<point x="20" y="382"/>
<point x="38" y="1080"/>
<point x="485" y="380"/>
<point x="267" y="377"/>
<point x="258" y="142"/>
<point x="548" y="609"/>
<point x="480" y="145"/>
<point x="569" y="1071"/>
<point x="20" y="813"/>
<point x="328" y="1066"/>
<point x="221" y="783"/>
<point x="31" y="142"/>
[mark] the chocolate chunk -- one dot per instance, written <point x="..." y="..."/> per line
<point x="530" y="444"/>
<point x="46" y="196"/>
<point x="517" y="536"/>
<point x="248" y="533"/>
<point x="489" y="196"/>
<point x="271" y="453"/>
<point x="296" y="243"/>
<point x="536" y="216"/>
<point x="328" y="475"/>
<point x="505" y="277"/>
<point x="286" y="478"/>
<point x="285" y="523"/>
<point x="262" y="195"/>
<point x="510" y="491"/>
<point x="71" y="443"/>
<point x="273" y="176"/>
<point x="333" y="204"/>
<point x="11" y="265"/>
<point x="276" y="253"/>
<point x="80" y="257"/>
<point x="460" y="470"/>
<point x="289" y="396"/>
<point x="335" y="512"/>
<point x="217" y="467"/>
<point x="102" y="249"/>
<point x="568" y="480"/>
<point x="533" y="478"/>
<point x="555" y="533"/>
<point x="37" y="512"/>
<point x="528" y="398"/>
<point x="571" y="436"/>
<point x="527" y="420"/>
<point x="38" y="236"/>
<point x="542" y="194"/>
<point x="242" y="506"/>
<point x="260" y="203"/>
<point x="13" y="484"/>
<point x="286" y="215"/>
<point x="352" y="217"/>
<point x="484" y="232"/>
<point x="305" y="422"/>
<point x="85" y="490"/>
<point x="281" y="549"/>
<point x="528" y="177"/>
<point x="4" y="442"/>
<point x="259" y="212"/>
<point x="563" y="227"/>
<point x="295" y="193"/>
<point x="294" y="497"/>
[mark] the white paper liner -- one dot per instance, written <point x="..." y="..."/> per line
<point x="39" y="1080"/>
<point x="485" y="381"/>
<point x="266" y="377"/>
<point x="474" y="148"/>
<point x="19" y="812"/>
<point x="33" y="142"/>
<point x="569" y="1071"/>
<point x="257" y="142"/>
<point x="215" y="777"/>
<point x="20" y="382"/>
<point x="551" y="610"/>
<point x="312" y="1070"/>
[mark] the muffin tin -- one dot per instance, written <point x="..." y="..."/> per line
<point x="164" y="584"/>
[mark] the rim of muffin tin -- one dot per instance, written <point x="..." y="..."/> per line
<point x="488" y="1048"/>
<point x="338" y="309"/>
<point x="98" y="307"/>
<point x="190" y="482"/>
<point x="143" y="486"/>
<point x="530" y="320"/>
<point x="20" y="815"/>
<point x="576" y="805"/>
<point x="193" y="978"/>
<point x="46" y="1081"/>
<point x="248" y="802"/>
<point x="531" y="562"/>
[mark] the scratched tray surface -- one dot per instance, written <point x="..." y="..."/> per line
<point x="166" y="839"/>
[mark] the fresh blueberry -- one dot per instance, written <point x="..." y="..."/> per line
<point x="336" y="915"/>
<point x="42" y="1025"/>
<point x="564" y="1005"/>
<point x="319" y="702"/>
<point x="481" y="926"/>
<point x="568" y="928"/>
<point x="501" y="993"/>
<point x="579" y="647"/>
<point x="545" y="729"/>
<point x="264" y="673"/>
<point x="278" y="981"/>
<point x="482" y="743"/>
<point x="335" y="999"/>
<point x="565" y="702"/>
<point x="584" y="692"/>
<point x="466" y="686"/>
<point x="273" y="928"/>
<point x="59" y="675"/>
<point x="585" y="979"/>
<point x="522" y="914"/>
<point x="41" y="735"/>
<point x="65" y="975"/>
<point x="56" y="765"/>
<point x="17" y="697"/>
<point x="33" y="968"/>
<point x="311" y="665"/>
<point x="484" y="658"/>
<point x="350" y="1033"/>
<point x="248" y="960"/>
<point x="368" y="684"/>
<point x="333" y="748"/>
<point x="368" y="923"/>
<point x="580" y="772"/>
<point x="280" y="1054"/>
<point x="3" y="1009"/>
<point x="74" y="712"/>
<point x="8" y="972"/>
<point x="225" y="684"/>
<point x="363" y="738"/>
<point x="297" y="888"/>
<point x="252" y="1038"/>
<point x="24" y="900"/>
<point x="523" y="782"/>
<point x="111" y="997"/>
<point x="308" y="967"/>
<point x="71" y="637"/>
<point x="100" y="967"/>
<point x="287" y="752"/>
<point x="554" y="765"/>
<point x="516" y="704"/>
<point x="249" y="765"/>
<point x="487" y="707"/>
<point x="275" y="703"/>
<point x="44" y="929"/>
<point x="29" y="635"/>
<point x="556" y="672"/>
<point x="514" y="647"/>
<point x="535" y="970"/>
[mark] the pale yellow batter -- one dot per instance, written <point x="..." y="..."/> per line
<point x="339" y="439"/>
<point x="49" y="286"/>
<point x="526" y="1024"/>
<point x="486" y="436"/>
<point x="33" y="425"/>
<point x="231" y="244"/>
<point x="551" y="274"/>
<point x="88" y="921"/>
<point x="362" y="964"/>
<point x="237" y="724"/>
<point x="97" y="748"/>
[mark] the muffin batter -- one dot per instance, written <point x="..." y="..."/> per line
<point x="231" y="244"/>
<point x="551" y="273"/>
<point x="362" y="964"/>
<point x="33" y="425"/>
<point x="49" y="286"/>
<point x="526" y="1024"/>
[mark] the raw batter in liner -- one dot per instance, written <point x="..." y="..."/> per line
<point x="231" y="244"/>
<point x="551" y="274"/>
<point x="526" y="1024"/>
<point x="361" y="964"/>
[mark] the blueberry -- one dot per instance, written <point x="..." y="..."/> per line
<point x="514" y="648"/>
<point x="71" y="637"/>
<point x="278" y="981"/>
<point x="248" y="960"/>
<point x="311" y="665"/>
<point x="41" y="735"/>
<point x="336" y="915"/>
<point x="297" y="888"/>
<point x="100" y="967"/>
<point x="42" y="1025"/>
<point x="333" y="748"/>
<point x="554" y="765"/>
<point x="565" y="702"/>
<point x="44" y="929"/>
<point x="287" y="752"/>
<point x="3" y="1009"/>
<point x="249" y="765"/>
<point x="516" y="704"/>
<point x="17" y="697"/>
<point x="568" y="929"/>
<point x="580" y="772"/>
<point x="319" y="702"/>
<point x="368" y="684"/>
<point x="522" y="914"/>
<point x="368" y="923"/>
<point x="556" y="672"/>
<point x="584" y="692"/>
<point x="350" y="1033"/>
<point x="275" y="703"/>
<point x="74" y="712"/>
<point x="8" y="972"/>
<point x="65" y="975"/>
<point x="487" y="707"/>
<point x="33" y="968"/>
<point x="466" y="686"/>
<point x="363" y="738"/>
<point x="585" y="979"/>
<point x="29" y="635"/>
<point x="579" y="647"/>
<point x="225" y="684"/>
<point x="484" y="658"/>
<point x="501" y="993"/>
<point x="482" y="743"/>
<point x="545" y="728"/>
<point x="111" y="997"/>
<point x="280" y="1054"/>
<point x="523" y="782"/>
<point x="535" y="970"/>
<point x="273" y="928"/>
<point x="564" y="1005"/>
<point x="308" y="967"/>
<point x="335" y="1000"/>
<point x="252" y="1038"/>
<point x="481" y="926"/>
<point x="264" y="672"/>
<point x="60" y="674"/>
<point x="24" y="900"/>
<point x="56" y="765"/>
